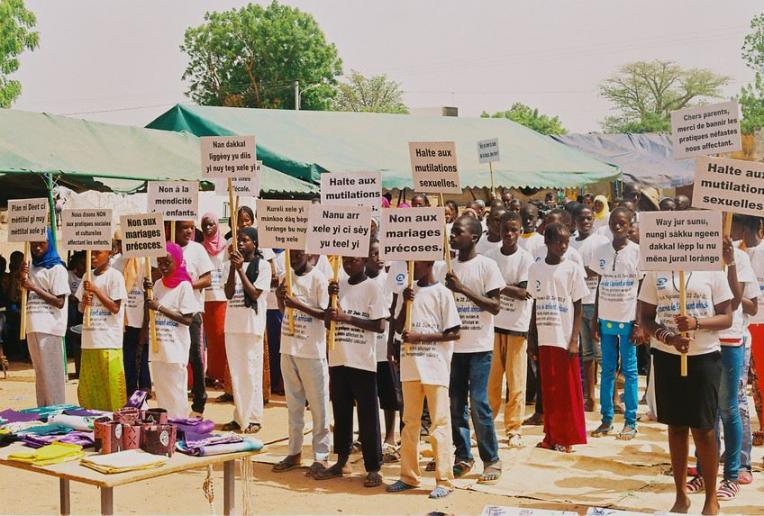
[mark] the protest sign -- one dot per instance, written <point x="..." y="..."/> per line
<point x="142" y="235"/>
<point x="282" y="224"/>
<point x="175" y="200"/>
<point x="228" y="156"/>
<point x="352" y="188"/>
<point x="434" y="167"/>
<point x="729" y="185"/>
<point x="245" y="185"/>
<point x="705" y="130"/>
<point x="680" y="241"/>
<point x="488" y="150"/>
<point x="415" y="234"/>
<point x="28" y="220"/>
<point x="338" y="230"/>
<point x="87" y="229"/>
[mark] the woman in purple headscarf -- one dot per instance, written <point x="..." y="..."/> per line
<point x="174" y="305"/>
<point x="214" y="299"/>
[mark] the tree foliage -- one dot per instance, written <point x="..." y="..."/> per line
<point x="531" y="118"/>
<point x="645" y="93"/>
<point x="753" y="45"/>
<point x="751" y="97"/>
<point x="376" y="94"/>
<point x="16" y="35"/>
<point x="250" y="57"/>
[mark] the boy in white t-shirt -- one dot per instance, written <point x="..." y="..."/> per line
<point x="511" y="330"/>
<point x="492" y="237"/>
<point x="530" y="240"/>
<point x="425" y="373"/>
<point x="360" y="314"/>
<point x="558" y="286"/>
<point x="303" y="361"/>
<point x="476" y="282"/>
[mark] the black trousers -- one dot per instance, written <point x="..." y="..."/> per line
<point x="196" y="359"/>
<point x="347" y="386"/>
<point x="137" y="375"/>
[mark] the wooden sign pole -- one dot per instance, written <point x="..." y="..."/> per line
<point x="89" y="279"/>
<point x="24" y="295"/>
<point x="493" y="186"/>
<point x="447" y="245"/>
<point x="288" y="272"/>
<point x="152" y="314"/>
<point x="408" y="303"/>
<point x="332" y="324"/>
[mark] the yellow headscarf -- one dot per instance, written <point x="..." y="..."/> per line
<point x="605" y="213"/>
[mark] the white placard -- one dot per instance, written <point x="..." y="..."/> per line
<point x="244" y="186"/>
<point x="89" y="229"/>
<point x="705" y="130"/>
<point x="335" y="230"/>
<point x="434" y="167"/>
<point x="352" y="189"/>
<point x="142" y="235"/>
<point x="228" y="156"/>
<point x="412" y="234"/>
<point x="175" y="200"/>
<point x="680" y="240"/>
<point x="488" y="150"/>
<point x="28" y="220"/>
<point x="729" y="185"/>
<point x="282" y="224"/>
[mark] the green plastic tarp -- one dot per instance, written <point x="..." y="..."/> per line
<point x="76" y="151"/>
<point x="305" y="144"/>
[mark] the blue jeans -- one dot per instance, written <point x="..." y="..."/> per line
<point x="590" y="349"/>
<point x="612" y="346"/>
<point x="729" y="409"/>
<point x="469" y="377"/>
<point x="745" y="416"/>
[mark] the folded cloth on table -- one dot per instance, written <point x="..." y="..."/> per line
<point x="13" y="416"/>
<point x="83" y="423"/>
<point x="138" y="400"/>
<point x="192" y="440"/>
<point x="21" y="426"/>
<point x="84" y="439"/>
<point x="86" y="412"/>
<point x="47" y="429"/>
<point x="53" y="453"/>
<point x="246" y="444"/>
<point x="194" y="425"/>
<point x="120" y="462"/>
<point x="45" y="412"/>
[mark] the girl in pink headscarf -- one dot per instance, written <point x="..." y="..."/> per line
<point x="214" y="299"/>
<point x="174" y="305"/>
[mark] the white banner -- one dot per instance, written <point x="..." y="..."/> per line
<point x="86" y="229"/>
<point x="729" y="185"/>
<point x="412" y="234"/>
<point x="680" y="240"/>
<point x="228" y="156"/>
<point x="352" y="189"/>
<point x="282" y="224"/>
<point x="175" y="200"/>
<point x="488" y="150"/>
<point x="434" y="167"/>
<point x="705" y="130"/>
<point x="142" y="235"/>
<point x="338" y="230"/>
<point x="28" y="220"/>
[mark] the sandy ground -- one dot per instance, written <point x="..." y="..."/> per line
<point x="604" y="473"/>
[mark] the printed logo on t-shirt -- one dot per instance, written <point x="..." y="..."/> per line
<point x="603" y="262"/>
<point x="538" y="286"/>
<point x="661" y="283"/>
<point x="469" y="313"/>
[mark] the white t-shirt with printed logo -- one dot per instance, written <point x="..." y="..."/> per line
<point x="433" y="311"/>
<point x="555" y="288"/>
<point x="704" y="290"/>
<point x="106" y="328"/>
<point x="531" y="242"/>
<point x="619" y="281"/>
<point x="515" y="314"/>
<point x="173" y="338"/>
<point x="586" y="249"/>
<point x="747" y="277"/>
<point x="354" y="347"/>
<point x="539" y="255"/>
<point x="198" y="264"/>
<point x="381" y="338"/>
<point x="74" y="281"/>
<point x="134" y="306"/>
<point x="42" y="317"/>
<point x="278" y="269"/>
<point x="309" y="339"/>
<point x="480" y="275"/>
<point x="215" y="291"/>
<point x="240" y="318"/>
<point x="484" y="246"/>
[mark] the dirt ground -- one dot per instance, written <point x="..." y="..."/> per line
<point x="604" y="473"/>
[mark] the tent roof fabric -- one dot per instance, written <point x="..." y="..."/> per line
<point x="306" y="143"/>
<point x="80" y="150"/>
<point x="645" y="159"/>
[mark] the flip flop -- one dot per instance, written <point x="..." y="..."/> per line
<point x="463" y="467"/>
<point x="491" y="474"/>
<point x="314" y="469"/>
<point x="440" y="492"/>
<point x="287" y="464"/>
<point x="398" y="487"/>
<point x="373" y="479"/>
<point x="334" y="471"/>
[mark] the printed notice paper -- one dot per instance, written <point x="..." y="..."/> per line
<point x="706" y="130"/>
<point x="28" y="220"/>
<point x="680" y="241"/>
<point x="488" y="150"/>
<point x="352" y="188"/>
<point x="415" y="234"/>
<point x="434" y="168"/>
<point x="89" y="229"/>
<point x="338" y="230"/>
<point x="175" y="200"/>
<point x="729" y="185"/>
<point x="228" y="156"/>
<point x="282" y="224"/>
<point x="142" y="235"/>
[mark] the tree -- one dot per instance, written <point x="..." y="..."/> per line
<point x="751" y="97"/>
<point x="531" y="118"/>
<point x="646" y="93"/>
<point x="375" y="94"/>
<point x="753" y="45"/>
<point x="16" y="35"/>
<point x="251" y="57"/>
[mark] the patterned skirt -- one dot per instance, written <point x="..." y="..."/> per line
<point x="102" y="380"/>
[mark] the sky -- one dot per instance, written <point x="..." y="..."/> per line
<point x="120" y="62"/>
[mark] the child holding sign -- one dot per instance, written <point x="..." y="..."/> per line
<point x="425" y="371"/>
<point x="360" y="314"/>
<point x="174" y="304"/>
<point x="558" y="286"/>
<point x="48" y="287"/>
<point x="102" y="373"/>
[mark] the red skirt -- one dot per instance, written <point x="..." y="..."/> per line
<point x="564" y="419"/>
<point x="214" y="321"/>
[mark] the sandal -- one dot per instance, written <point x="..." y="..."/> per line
<point x="252" y="428"/>
<point x="463" y="467"/>
<point x="288" y="463"/>
<point x="728" y="490"/>
<point x="535" y="420"/>
<point x="231" y="426"/>
<point x="334" y="471"/>
<point x="745" y="477"/>
<point x="563" y="449"/>
<point x="399" y="486"/>
<point x="602" y="430"/>
<point x="545" y="445"/>
<point x="695" y="485"/>
<point x="758" y="438"/>
<point x="628" y="433"/>
<point x="440" y="492"/>
<point x="224" y="398"/>
<point x="431" y="466"/>
<point x="390" y="454"/>
<point x="315" y="469"/>
<point x="373" y="479"/>
<point x="491" y="473"/>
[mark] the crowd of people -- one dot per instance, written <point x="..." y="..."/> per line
<point x="542" y="303"/>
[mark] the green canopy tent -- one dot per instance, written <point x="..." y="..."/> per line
<point x="305" y="144"/>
